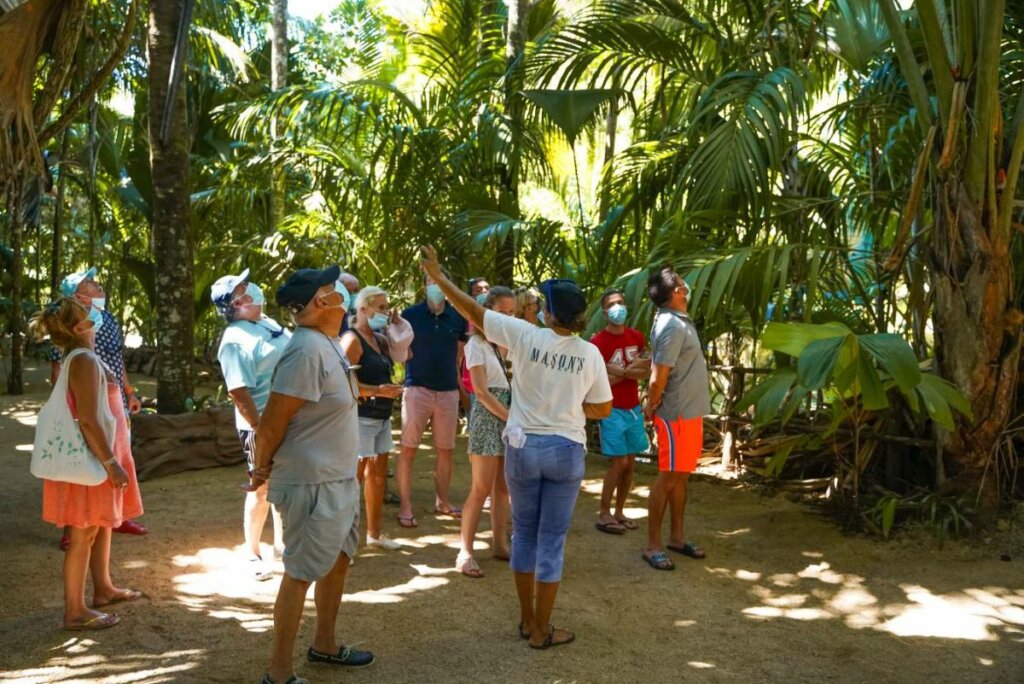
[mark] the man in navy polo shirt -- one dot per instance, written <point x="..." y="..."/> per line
<point x="431" y="396"/>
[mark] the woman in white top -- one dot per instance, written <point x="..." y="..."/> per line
<point x="493" y="391"/>
<point x="558" y="381"/>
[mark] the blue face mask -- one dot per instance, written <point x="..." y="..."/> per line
<point x="99" y="303"/>
<point x="434" y="294"/>
<point x="340" y="288"/>
<point x="255" y="293"/>
<point x="481" y="298"/>
<point x="617" y="314"/>
<point x="379" y="321"/>
<point x="96" y="316"/>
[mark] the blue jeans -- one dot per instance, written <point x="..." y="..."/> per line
<point x="544" y="480"/>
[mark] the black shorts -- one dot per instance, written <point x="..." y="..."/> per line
<point x="248" y="440"/>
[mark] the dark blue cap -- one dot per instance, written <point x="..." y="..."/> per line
<point x="301" y="286"/>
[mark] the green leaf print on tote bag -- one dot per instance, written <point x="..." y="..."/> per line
<point x="60" y="452"/>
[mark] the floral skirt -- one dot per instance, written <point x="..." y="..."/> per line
<point x="485" y="428"/>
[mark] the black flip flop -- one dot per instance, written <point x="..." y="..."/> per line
<point x="549" y="641"/>
<point x="610" y="528"/>
<point x="688" y="549"/>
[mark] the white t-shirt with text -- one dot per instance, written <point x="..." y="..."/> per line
<point x="552" y="377"/>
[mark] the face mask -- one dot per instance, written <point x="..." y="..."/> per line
<point x="97" y="319"/>
<point x="540" y="317"/>
<point x="378" y="321"/>
<point x="434" y="294"/>
<point x="255" y="293"/>
<point x="617" y="314"/>
<point x="99" y="303"/>
<point x="481" y="298"/>
<point x="340" y="288"/>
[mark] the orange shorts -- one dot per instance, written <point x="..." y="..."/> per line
<point x="679" y="443"/>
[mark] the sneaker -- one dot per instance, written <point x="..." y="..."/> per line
<point x="383" y="542"/>
<point x="487" y="504"/>
<point x="260" y="570"/>
<point x="349" y="657"/>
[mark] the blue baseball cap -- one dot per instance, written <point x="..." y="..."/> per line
<point x="69" y="286"/>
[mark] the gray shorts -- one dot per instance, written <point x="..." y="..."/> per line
<point x="320" y="522"/>
<point x="374" y="436"/>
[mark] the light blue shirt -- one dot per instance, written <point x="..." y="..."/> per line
<point x="248" y="353"/>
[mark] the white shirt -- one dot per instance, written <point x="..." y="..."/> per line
<point x="552" y="377"/>
<point x="479" y="352"/>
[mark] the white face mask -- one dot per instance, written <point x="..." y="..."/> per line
<point x="100" y="303"/>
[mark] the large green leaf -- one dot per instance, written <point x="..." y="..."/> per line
<point x="570" y="109"/>
<point x="792" y="338"/>
<point x="872" y="391"/>
<point x="940" y="398"/>
<point x="816" y="363"/>
<point x="892" y="353"/>
<point x="768" y="396"/>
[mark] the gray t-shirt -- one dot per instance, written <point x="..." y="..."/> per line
<point x="675" y="343"/>
<point x="323" y="436"/>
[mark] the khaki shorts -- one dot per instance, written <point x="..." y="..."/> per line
<point x="421" y="406"/>
<point x="320" y="522"/>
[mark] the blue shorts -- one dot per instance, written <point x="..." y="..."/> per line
<point x="623" y="433"/>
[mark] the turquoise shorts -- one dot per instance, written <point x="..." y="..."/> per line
<point x="623" y="433"/>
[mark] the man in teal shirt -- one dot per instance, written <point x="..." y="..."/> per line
<point x="249" y="349"/>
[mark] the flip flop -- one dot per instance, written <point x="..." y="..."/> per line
<point x="291" y="680"/>
<point x="408" y="521"/>
<point x="659" y="561"/>
<point x="628" y="523"/>
<point x="468" y="566"/>
<point x="104" y="621"/>
<point x="550" y="642"/>
<point x="610" y="528"/>
<point x="688" y="549"/>
<point x="125" y="596"/>
<point x="452" y="512"/>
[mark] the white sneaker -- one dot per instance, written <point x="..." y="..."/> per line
<point x="383" y="542"/>
<point x="260" y="570"/>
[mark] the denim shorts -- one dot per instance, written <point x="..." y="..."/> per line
<point x="374" y="437"/>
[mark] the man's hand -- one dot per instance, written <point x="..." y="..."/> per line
<point x="389" y="391"/>
<point x="429" y="263"/>
<point x="257" y="478"/>
<point x="649" y="411"/>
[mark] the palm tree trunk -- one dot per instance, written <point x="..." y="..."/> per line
<point x="58" y="220"/>
<point x="278" y="80"/>
<point x="172" y="230"/>
<point x="508" y="195"/>
<point x="14" y="318"/>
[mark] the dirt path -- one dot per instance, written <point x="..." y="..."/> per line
<point x="782" y="596"/>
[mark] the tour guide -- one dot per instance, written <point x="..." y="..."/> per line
<point x="306" y="448"/>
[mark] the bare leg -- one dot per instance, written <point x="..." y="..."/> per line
<point x="611" y="481"/>
<point x="404" y="477"/>
<point x="656" y="502"/>
<point x="443" y="478"/>
<point x="291" y="597"/>
<point x="278" y="531"/>
<point x="256" y="509"/>
<point x="103" y="588"/>
<point x="524" y="589"/>
<point x="677" y="508"/>
<point x="624" y="484"/>
<point x="499" y="511"/>
<point x="76" y="565"/>
<point x="545" y="598"/>
<point x="484" y="471"/>
<point x="374" y="483"/>
<point x="327" y="595"/>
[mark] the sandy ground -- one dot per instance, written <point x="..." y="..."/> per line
<point x="782" y="596"/>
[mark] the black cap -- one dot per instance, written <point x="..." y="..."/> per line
<point x="302" y="285"/>
<point x="564" y="299"/>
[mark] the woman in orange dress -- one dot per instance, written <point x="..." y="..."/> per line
<point x="90" y="512"/>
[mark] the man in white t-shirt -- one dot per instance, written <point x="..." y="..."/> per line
<point x="558" y="381"/>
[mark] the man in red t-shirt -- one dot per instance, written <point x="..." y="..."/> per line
<point x="623" y="434"/>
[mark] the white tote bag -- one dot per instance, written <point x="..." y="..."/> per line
<point x="60" y="452"/>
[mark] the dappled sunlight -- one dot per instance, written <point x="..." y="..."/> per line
<point x="820" y="592"/>
<point x="24" y="447"/>
<point x="733" y="533"/>
<point x="427" y="578"/>
<point x="698" y="665"/>
<point x="74" y="664"/>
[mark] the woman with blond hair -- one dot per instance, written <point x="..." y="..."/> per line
<point x="94" y="398"/>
